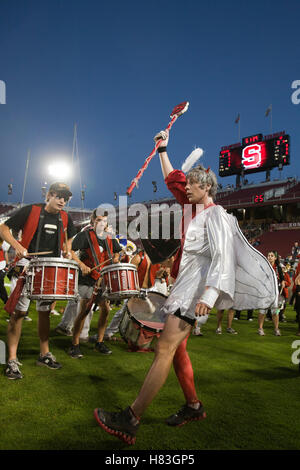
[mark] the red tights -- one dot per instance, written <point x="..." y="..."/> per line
<point x="184" y="371"/>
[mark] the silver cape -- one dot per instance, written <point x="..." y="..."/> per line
<point x="216" y="254"/>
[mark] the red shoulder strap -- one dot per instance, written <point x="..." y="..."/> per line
<point x="100" y="256"/>
<point x="30" y="226"/>
<point x="95" y="244"/>
<point x="64" y="219"/>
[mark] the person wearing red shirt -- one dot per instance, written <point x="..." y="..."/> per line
<point x="210" y="268"/>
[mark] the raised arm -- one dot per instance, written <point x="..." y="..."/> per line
<point x="165" y="163"/>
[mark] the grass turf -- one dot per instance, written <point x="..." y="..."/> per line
<point x="248" y="384"/>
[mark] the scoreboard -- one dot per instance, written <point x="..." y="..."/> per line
<point x="256" y="153"/>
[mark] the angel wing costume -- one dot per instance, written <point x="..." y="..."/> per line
<point x="216" y="254"/>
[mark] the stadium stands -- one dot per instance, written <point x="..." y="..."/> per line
<point x="248" y="196"/>
<point x="5" y="208"/>
<point x="280" y="240"/>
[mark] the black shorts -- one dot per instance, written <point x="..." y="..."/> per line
<point x="190" y="321"/>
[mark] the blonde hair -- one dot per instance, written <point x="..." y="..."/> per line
<point x="204" y="177"/>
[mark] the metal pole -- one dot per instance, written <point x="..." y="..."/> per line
<point x="25" y="176"/>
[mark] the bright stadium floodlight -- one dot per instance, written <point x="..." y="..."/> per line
<point x="60" y="170"/>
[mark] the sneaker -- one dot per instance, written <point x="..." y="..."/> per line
<point x="185" y="415"/>
<point x="55" y="313"/>
<point x="218" y="331"/>
<point x="235" y="318"/>
<point x="102" y="348"/>
<point x="118" y="424"/>
<point x="277" y="332"/>
<point x="48" y="360"/>
<point x="63" y="331"/>
<point x="261" y="332"/>
<point x="27" y="318"/>
<point x="12" y="370"/>
<point x="75" y="352"/>
<point x="197" y="331"/>
<point x="231" y="331"/>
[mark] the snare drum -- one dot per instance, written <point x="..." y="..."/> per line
<point x="139" y="327"/>
<point x="121" y="281"/>
<point x="52" y="279"/>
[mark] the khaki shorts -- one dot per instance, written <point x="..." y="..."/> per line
<point x="85" y="292"/>
<point x="41" y="305"/>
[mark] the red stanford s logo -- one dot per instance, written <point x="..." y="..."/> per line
<point x="251" y="156"/>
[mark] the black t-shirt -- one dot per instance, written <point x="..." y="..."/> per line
<point x="81" y="243"/>
<point x="49" y="230"/>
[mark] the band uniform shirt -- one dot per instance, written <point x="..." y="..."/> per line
<point x="49" y="230"/>
<point x="81" y="244"/>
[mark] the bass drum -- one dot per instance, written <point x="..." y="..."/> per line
<point x="143" y="321"/>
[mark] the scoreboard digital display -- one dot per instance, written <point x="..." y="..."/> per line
<point x="257" y="153"/>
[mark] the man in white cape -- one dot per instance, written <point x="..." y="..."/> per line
<point x="215" y="267"/>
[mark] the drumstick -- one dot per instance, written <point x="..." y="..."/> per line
<point x="98" y="266"/>
<point x="40" y="253"/>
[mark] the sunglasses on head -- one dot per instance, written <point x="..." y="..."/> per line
<point x="62" y="195"/>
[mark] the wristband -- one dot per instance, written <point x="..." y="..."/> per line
<point x="162" y="149"/>
<point x="210" y="296"/>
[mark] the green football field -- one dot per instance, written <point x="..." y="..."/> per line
<point x="248" y="384"/>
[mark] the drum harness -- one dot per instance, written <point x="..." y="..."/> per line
<point x="39" y="231"/>
<point x="38" y="238"/>
<point x="96" y="258"/>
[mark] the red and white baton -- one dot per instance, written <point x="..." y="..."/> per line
<point x="177" y="111"/>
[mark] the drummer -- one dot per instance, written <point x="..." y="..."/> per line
<point x="96" y="246"/>
<point x="43" y="227"/>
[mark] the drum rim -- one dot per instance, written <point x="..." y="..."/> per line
<point x="118" y="267"/>
<point x="53" y="260"/>
<point x="134" y="293"/>
<point x="139" y="323"/>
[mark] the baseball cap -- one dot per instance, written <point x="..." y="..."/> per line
<point x="60" y="189"/>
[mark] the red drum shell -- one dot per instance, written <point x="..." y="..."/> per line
<point x="121" y="281"/>
<point x="52" y="278"/>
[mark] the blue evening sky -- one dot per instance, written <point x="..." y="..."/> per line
<point x="118" y="68"/>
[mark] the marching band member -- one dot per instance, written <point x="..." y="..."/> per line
<point x="216" y="267"/>
<point x="43" y="227"/>
<point x="95" y="248"/>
